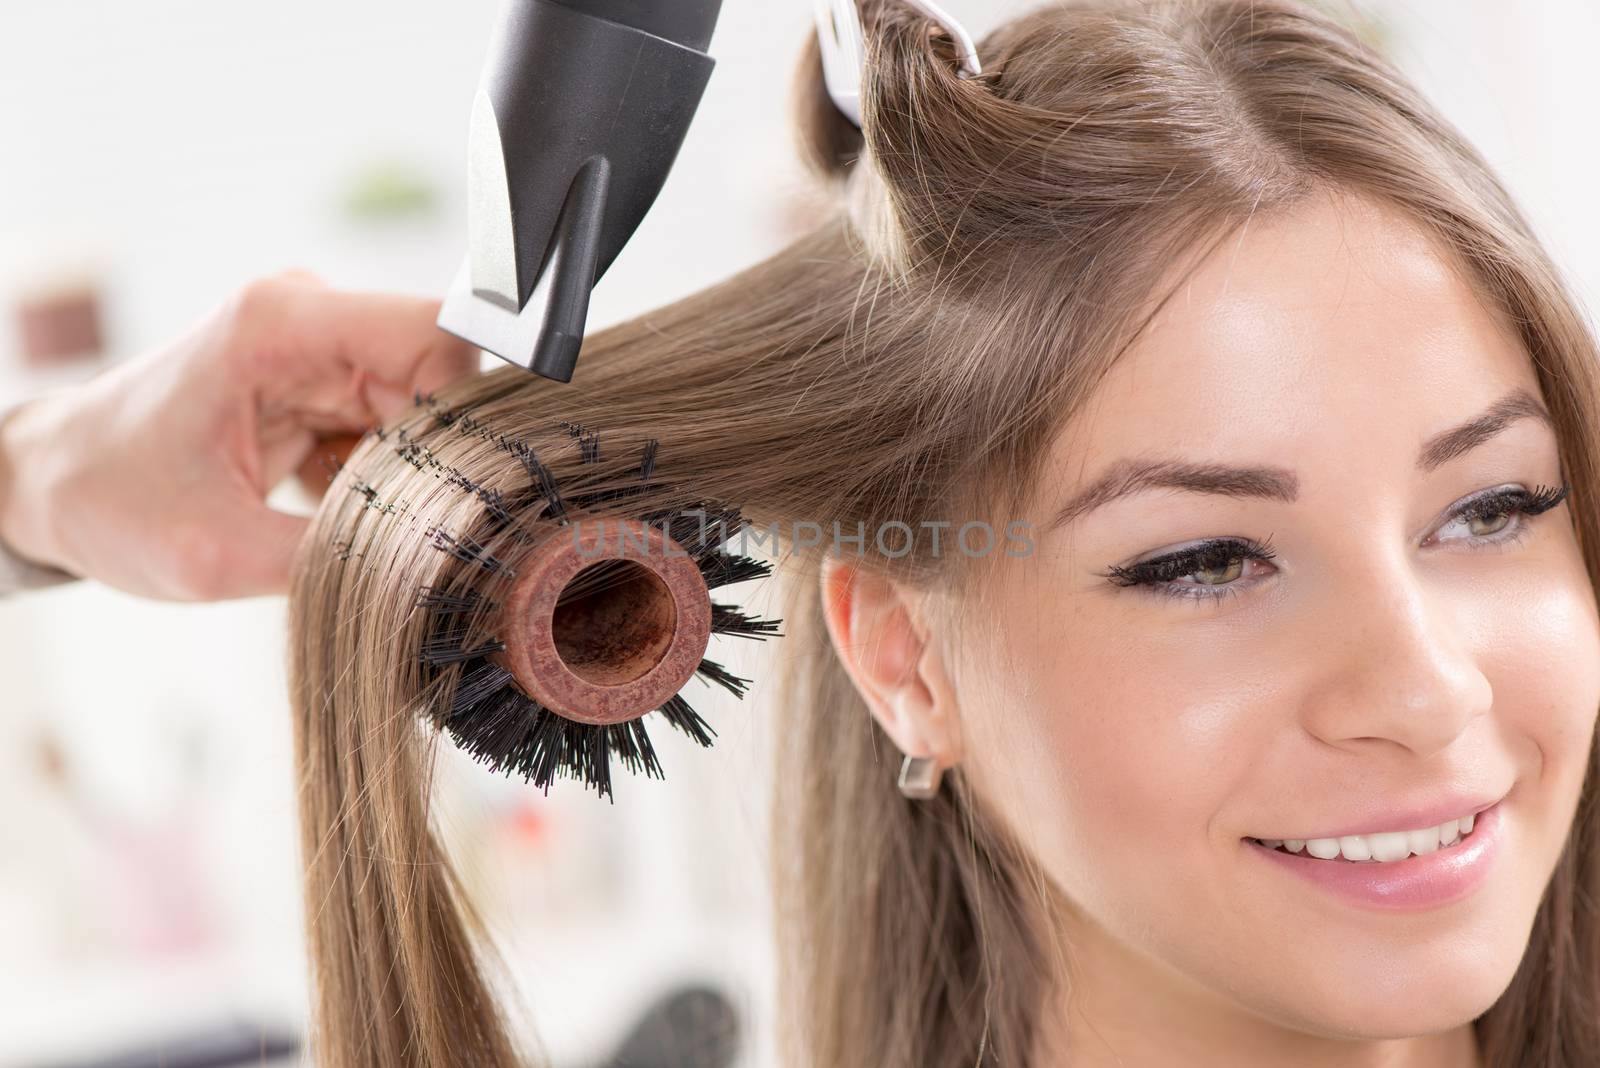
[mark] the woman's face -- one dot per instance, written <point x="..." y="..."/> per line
<point x="1389" y="668"/>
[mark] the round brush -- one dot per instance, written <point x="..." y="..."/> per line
<point x="546" y="658"/>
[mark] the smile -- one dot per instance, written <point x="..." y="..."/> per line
<point x="1385" y="848"/>
<point x="1396" y="870"/>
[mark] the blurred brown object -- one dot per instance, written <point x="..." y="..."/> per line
<point x="60" y="324"/>
<point x="318" y="469"/>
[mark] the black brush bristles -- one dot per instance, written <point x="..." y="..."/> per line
<point x="724" y="569"/>
<point x="450" y="638"/>
<point x="478" y="702"/>
<point x="439" y="600"/>
<point x="450" y="649"/>
<point x="510" y="732"/>
<point x="725" y="619"/>
<point x="712" y="671"/>
<point x="489" y="716"/>
<point x="483" y="680"/>
<point x="682" y="715"/>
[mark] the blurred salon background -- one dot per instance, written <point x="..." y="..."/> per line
<point x="160" y="153"/>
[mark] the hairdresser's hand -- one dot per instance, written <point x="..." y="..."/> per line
<point x="152" y="476"/>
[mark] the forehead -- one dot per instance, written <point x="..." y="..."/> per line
<point x="1336" y="322"/>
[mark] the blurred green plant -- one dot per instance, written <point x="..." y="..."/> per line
<point x="386" y="190"/>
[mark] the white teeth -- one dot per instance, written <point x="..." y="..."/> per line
<point x="1425" y="841"/>
<point x="1382" y="848"/>
<point x="1323" y="848"/>
<point x="1391" y="845"/>
<point x="1355" y="847"/>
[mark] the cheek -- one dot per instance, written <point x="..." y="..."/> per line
<point x="1543" y="659"/>
<point x="1108" y="755"/>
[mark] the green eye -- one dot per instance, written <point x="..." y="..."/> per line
<point x="1496" y="510"/>
<point x="1218" y="565"/>
<point x="1505" y="519"/>
<point x="1214" y="576"/>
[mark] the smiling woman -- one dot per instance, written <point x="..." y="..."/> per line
<point x="1277" y="748"/>
<point x="1374" y="733"/>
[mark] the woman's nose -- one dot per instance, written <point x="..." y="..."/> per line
<point x="1394" y="664"/>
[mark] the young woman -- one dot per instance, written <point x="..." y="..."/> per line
<point x="1271" y="740"/>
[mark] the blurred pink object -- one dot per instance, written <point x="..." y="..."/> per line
<point x="158" y="900"/>
<point x="60" y="324"/>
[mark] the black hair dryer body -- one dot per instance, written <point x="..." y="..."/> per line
<point x="577" y="121"/>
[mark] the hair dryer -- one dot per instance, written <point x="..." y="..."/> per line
<point x="579" y="116"/>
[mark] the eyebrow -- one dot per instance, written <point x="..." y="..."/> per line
<point x="1280" y="483"/>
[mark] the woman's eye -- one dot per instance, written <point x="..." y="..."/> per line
<point x="1504" y="521"/>
<point x="1213" y="569"/>
<point x="1486" y="516"/>
<point x="1212" y="575"/>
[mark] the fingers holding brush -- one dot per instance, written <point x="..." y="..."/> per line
<point x="323" y="366"/>
<point x="153" y="477"/>
<point x="357" y="358"/>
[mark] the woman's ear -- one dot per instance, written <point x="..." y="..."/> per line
<point x="880" y="639"/>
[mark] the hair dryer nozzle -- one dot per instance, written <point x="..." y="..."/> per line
<point x="579" y="117"/>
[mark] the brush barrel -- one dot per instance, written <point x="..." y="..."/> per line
<point x="619" y="651"/>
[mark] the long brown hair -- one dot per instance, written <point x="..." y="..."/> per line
<point x="998" y="242"/>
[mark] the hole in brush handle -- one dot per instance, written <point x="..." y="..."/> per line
<point x="634" y="632"/>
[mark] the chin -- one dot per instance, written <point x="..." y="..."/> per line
<point x="1400" y="989"/>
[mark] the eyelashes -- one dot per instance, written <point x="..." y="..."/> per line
<point x="1496" y="502"/>
<point x="1159" y="575"/>
<point x="1212" y="555"/>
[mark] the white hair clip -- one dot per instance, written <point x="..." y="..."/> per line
<point x="839" y="31"/>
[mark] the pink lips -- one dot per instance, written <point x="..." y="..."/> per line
<point x="1427" y="881"/>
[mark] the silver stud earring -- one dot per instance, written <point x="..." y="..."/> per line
<point x="919" y="777"/>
